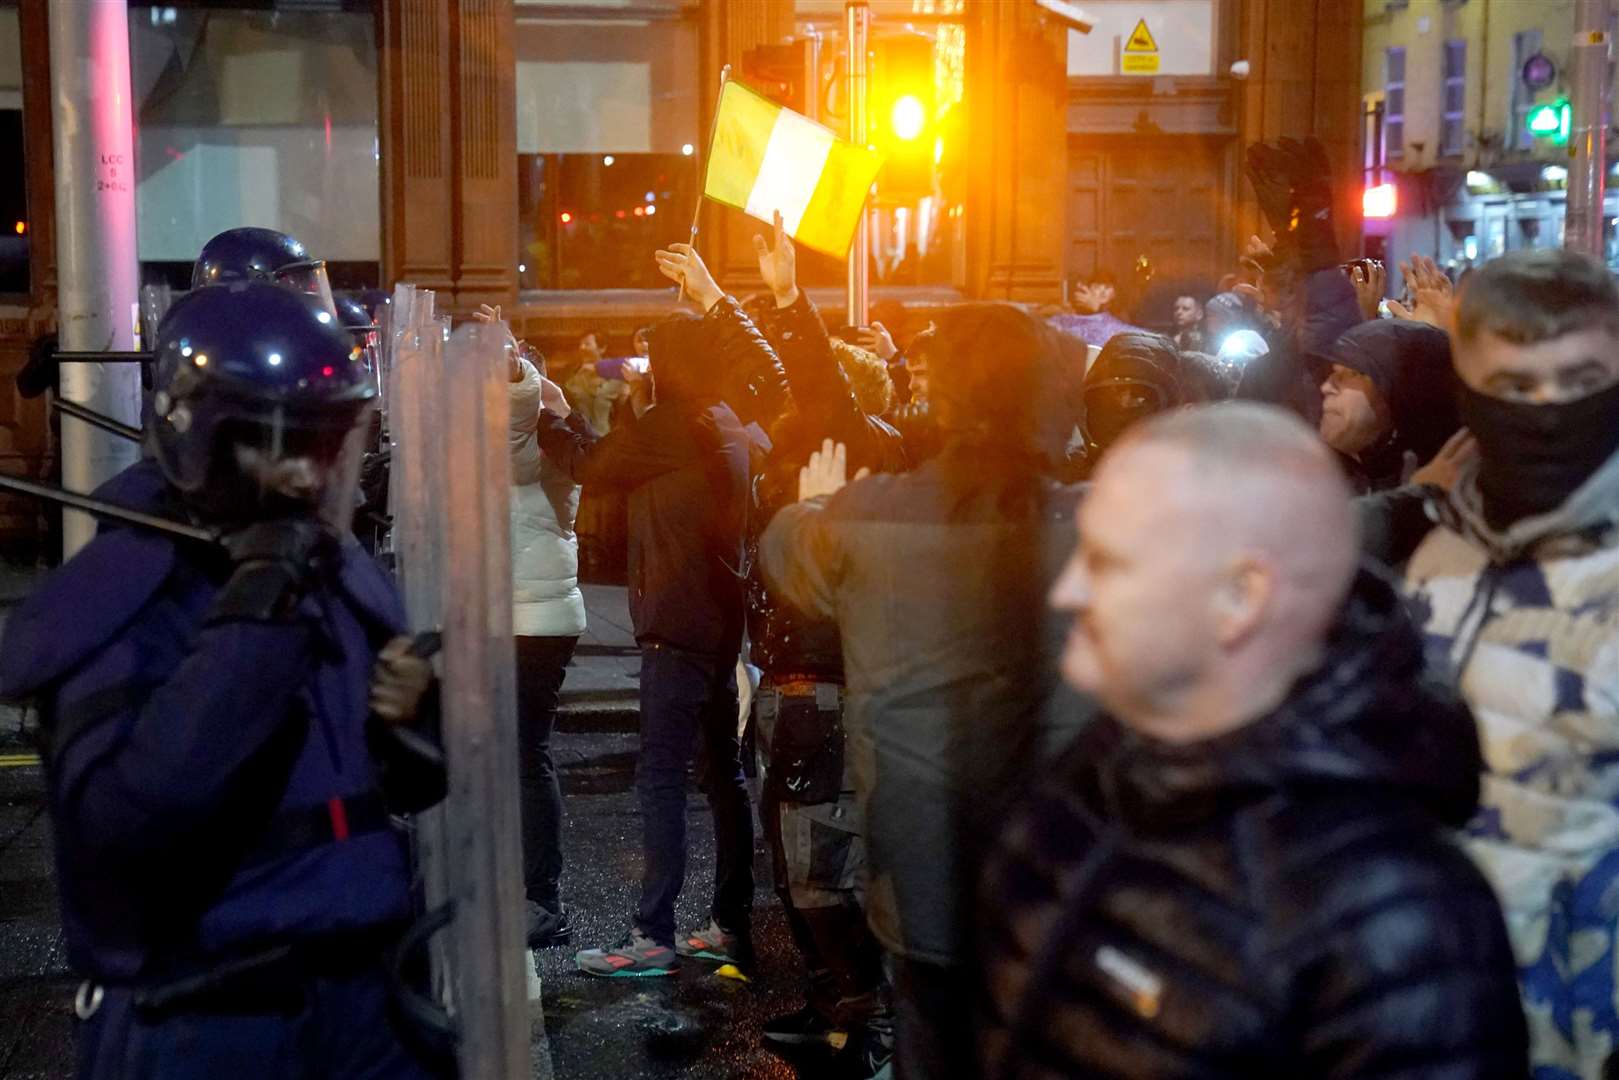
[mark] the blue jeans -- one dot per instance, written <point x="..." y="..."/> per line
<point x="541" y="664"/>
<point x="685" y="696"/>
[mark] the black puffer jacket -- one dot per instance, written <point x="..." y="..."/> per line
<point x="1280" y="902"/>
<point x="783" y="640"/>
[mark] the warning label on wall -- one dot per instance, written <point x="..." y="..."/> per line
<point x="1140" y="53"/>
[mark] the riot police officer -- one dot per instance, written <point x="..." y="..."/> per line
<point x="229" y="876"/>
<point x="254" y="254"/>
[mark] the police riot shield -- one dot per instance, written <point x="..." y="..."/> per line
<point x="450" y="496"/>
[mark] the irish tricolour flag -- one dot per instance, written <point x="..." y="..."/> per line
<point x="766" y="158"/>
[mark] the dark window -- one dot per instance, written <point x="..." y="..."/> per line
<point x="1453" y="128"/>
<point x="592" y="221"/>
<point x="14" y="220"/>
<point x="1394" y="102"/>
<point x="1524" y="45"/>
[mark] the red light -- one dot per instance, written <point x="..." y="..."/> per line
<point x="1379" y="202"/>
<point x="566" y="217"/>
<point x="22" y="228"/>
<point x="619" y="214"/>
<point x="328" y="371"/>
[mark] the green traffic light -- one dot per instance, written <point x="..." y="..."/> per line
<point x="1551" y="121"/>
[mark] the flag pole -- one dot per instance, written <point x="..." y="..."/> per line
<point x="702" y="174"/>
<point x="857" y="32"/>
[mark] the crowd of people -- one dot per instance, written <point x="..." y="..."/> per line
<point x="1231" y="701"/>
<point x="1237" y="701"/>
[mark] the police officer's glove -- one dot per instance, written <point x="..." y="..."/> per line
<point x="272" y="562"/>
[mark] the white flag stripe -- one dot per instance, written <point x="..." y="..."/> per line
<point x="794" y="157"/>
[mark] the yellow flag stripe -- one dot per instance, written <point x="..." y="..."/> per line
<point x="765" y="158"/>
<point x="834" y="210"/>
<point x="741" y="133"/>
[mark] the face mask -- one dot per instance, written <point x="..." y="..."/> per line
<point x="1533" y="457"/>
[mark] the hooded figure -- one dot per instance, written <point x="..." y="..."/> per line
<point x="1139" y="374"/>
<point x="1389" y="391"/>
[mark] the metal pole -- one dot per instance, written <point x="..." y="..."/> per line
<point x="856" y="37"/>
<point x="1588" y="142"/>
<point x="97" y="271"/>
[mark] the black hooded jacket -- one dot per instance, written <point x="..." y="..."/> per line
<point x="1409" y="364"/>
<point x="1278" y="902"/>
<point x="1136" y="375"/>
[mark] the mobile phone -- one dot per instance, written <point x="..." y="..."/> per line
<point x="614" y="366"/>
<point x="851" y="334"/>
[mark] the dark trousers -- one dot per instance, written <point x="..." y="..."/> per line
<point x="687" y="697"/>
<point x="934" y="1033"/>
<point x="346" y="1025"/>
<point x="541" y="663"/>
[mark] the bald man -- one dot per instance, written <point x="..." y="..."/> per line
<point x="1243" y="868"/>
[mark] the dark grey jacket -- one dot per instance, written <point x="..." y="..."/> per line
<point x="950" y="656"/>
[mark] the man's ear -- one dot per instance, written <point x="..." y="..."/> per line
<point x="1242" y="598"/>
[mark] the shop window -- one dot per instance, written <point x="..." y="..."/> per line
<point x="607" y="141"/>
<point x="1524" y="45"/>
<point x="592" y="221"/>
<point x="1453" y="127"/>
<point x="1394" y="101"/>
<point x="14" y="219"/>
<point x="257" y="117"/>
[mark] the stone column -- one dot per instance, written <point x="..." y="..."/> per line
<point x="1017" y="98"/>
<point x="449" y="149"/>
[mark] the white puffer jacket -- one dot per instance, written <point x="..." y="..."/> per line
<point x="546" y="601"/>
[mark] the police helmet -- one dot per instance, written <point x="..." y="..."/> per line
<point x="252" y="372"/>
<point x="353" y="317"/>
<point x="251" y="254"/>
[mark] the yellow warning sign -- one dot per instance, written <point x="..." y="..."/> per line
<point x="1140" y="52"/>
<point x="1141" y="39"/>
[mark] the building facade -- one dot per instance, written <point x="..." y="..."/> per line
<point x="534" y="154"/>
<point x="1463" y="102"/>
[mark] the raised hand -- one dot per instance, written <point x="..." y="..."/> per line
<point x="778" y="264"/>
<point x="1446" y="467"/>
<point x="827" y="472"/>
<point x="1369" y="286"/>
<point x="680" y="263"/>
<point x="877" y="339"/>
<point x="490" y="315"/>
<point x="1432" y="295"/>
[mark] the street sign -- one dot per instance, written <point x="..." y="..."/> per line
<point x="1140" y="53"/>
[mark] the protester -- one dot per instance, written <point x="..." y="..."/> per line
<point x="591" y="392"/>
<point x="934" y="578"/>
<point x="1188" y="319"/>
<point x="685" y="462"/>
<point x="1140" y="374"/>
<point x="548" y="615"/>
<point x="1092" y="321"/>
<point x="1518" y="588"/>
<point x="1388" y="400"/>
<point x="809" y="808"/>
<point x="221" y="718"/>
<point x="1313" y="300"/>
<point x="1242" y="868"/>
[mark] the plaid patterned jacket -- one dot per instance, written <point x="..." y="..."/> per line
<point x="1527" y="622"/>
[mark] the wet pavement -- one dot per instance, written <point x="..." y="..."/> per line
<point x="694" y="1025"/>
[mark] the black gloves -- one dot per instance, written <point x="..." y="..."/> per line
<point x="1293" y="182"/>
<point x="271" y="563"/>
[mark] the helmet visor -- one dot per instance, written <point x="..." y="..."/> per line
<point x="308" y="277"/>
<point x="292" y="463"/>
